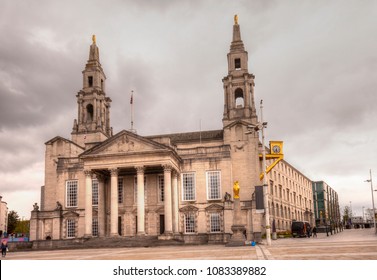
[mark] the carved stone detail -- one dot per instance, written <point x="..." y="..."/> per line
<point x="140" y="169"/>
<point x="88" y="173"/>
<point x="114" y="171"/>
<point x="167" y="167"/>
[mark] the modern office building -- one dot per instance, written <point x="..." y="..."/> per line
<point x="326" y="204"/>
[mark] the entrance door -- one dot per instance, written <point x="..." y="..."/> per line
<point x="120" y="225"/>
<point x="162" y="224"/>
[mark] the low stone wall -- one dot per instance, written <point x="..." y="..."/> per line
<point x="20" y="246"/>
<point x="57" y="244"/>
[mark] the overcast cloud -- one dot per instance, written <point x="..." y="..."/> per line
<point x="315" y="64"/>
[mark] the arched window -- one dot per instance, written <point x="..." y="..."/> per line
<point x="239" y="98"/>
<point x="89" y="113"/>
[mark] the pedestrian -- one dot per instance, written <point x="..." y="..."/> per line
<point x="314" y="231"/>
<point x="308" y="231"/>
<point x="4" y="248"/>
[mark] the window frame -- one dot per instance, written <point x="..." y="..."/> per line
<point x="95" y="189"/>
<point x="71" y="194"/>
<point x="215" y="224"/>
<point x="237" y="63"/>
<point x="161" y="188"/>
<point x="211" y="190"/>
<point x="185" y="195"/>
<point x="95" y="227"/>
<point x="71" y="228"/>
<point x="120" y="189"/>
<point x="189" y="222"/>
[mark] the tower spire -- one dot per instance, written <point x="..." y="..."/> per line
<point x="237" y="44"/>
<point x="93" y="122"/>
<point x="93" y="54"/>
<point x="239" y="84"/>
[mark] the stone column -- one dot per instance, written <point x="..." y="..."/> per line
<point x="237" y="238"/>
<point x="88" y="203"/>
<point x="168" y="200"/>
<point x="101" y="206"/>
<point x="94" y="120"/>
<point x="140" y="201"/>
<point x="80" y="112"/>
<point x="114" y="202"/>
<point x="175" y="202"/>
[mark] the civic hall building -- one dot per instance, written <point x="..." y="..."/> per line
<point x="174" y="186"/>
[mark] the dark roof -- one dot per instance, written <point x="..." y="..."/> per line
<point x="192" y="136"/>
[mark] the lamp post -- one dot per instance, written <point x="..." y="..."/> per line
<point x="260" y="126"/>
<point x="265" y="190"/>
<point x="374" y="211"/>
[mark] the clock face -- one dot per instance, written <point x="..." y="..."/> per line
<point x="276" y="149"/>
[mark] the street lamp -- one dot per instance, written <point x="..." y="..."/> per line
<point x="350" y="208"/>
<point x="260" y="126"/>
<point x="374" y="211"/>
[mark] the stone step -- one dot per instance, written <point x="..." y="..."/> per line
<point x="140" y="241"/>
<point x="104" y="242"/>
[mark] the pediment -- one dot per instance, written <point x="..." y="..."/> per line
<point x="126" y="142"/>
<point x="237" y="122"/>
<point x="71" y="214"/>
<point x="59" y="139"/>
<point x="214" y="208"/>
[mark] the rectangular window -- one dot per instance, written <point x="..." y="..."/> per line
<point x="71" y="193"/>
<point x="95" y="226"/>
<point x="90" y="81"/>
<point x="272" y="187"/>
<point x="188" y="186"/>
<point x="161" y="194"/>
<point x="71" y="228"/>
<point x="237" y="63"/>
<point x="259" y="202"/>
<point x="95" y="192"/>
<point x="189" y="223"/>
<point x="215" y="222"/>
<point x="213" y="185"/>
<point x="145" y="189"/>
<point x="120" y="190"/>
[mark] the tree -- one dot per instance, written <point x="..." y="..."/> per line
<point x="12" y="221"/>
<point x="23" y="227"/>
<point x="347" y="215"/>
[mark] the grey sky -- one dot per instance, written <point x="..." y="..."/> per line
<point x="315" y="64"/>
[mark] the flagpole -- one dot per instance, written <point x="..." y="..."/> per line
<point x="132" y="111"/>
<point x="200" y="131"/>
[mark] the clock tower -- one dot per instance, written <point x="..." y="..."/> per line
<point x="239" y="113"/>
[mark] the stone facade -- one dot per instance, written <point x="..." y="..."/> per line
<point x="3" y="217"/>
<point x="290" y="196"/>
<point x="175" y="186"/>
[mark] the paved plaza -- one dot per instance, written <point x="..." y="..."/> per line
<point x="352" y="244"/>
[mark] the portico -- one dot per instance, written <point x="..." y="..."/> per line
<point x="133" y="189"/>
